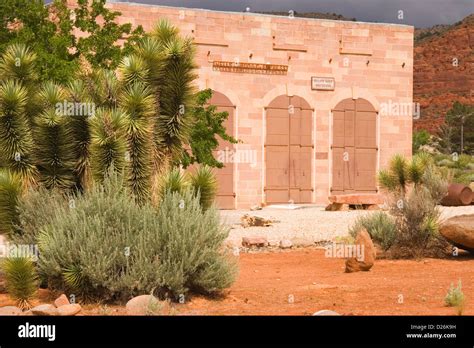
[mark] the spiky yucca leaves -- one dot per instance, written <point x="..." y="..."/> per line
<point x="204" y="182"/>
<point x="21" y="279"/>
<point x="396" y="177"/>
<point x="18" y="63"/>
<point x="108" y="143"/>
<point x="133" y="69"/>
<point x="104" y="88"/>
<point x="177" y="92"/>
<point x="80" y="132"/>
<point x="10" y="193"/>
<point x="51" y="95"/>
<point x="55" y="150"/>
<point x="172" y="181"/>
<point x="138" y="103"/>
<point x="16" y="141"/>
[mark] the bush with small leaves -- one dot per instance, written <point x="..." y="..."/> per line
<point x="455" y="297"/>
<point x="21" y="279"/>
<point x="381" y="227"/>
<point x="110" y="248"/>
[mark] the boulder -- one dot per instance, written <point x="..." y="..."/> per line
<point x="10" y="310"/>
<point x="145" y="305"/>
<point x="369" y="254"/>
<point x="326" y="312"/>
<point x="459" y="231"/>
<point x="45" y="310"/>
<point x="61" y="301"/>
<point x="69" y="309"/>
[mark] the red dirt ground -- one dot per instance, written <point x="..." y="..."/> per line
<point x="301" y="282"/>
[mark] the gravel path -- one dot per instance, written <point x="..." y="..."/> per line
<point x="305" y="226"/>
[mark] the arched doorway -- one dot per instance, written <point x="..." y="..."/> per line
<point x="288" y="149"/>
<point x="225" y="176"/>
<point x="354" y="147"/>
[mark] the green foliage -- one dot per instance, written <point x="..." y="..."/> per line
<point x="379" y="225"/>
<point x="110" y="248"/>
<point x="207" y="124"/>
<point x="138" y="104"/>
<point x="204" y="182"/>
<point x="455" y="297"/>
<point x="108" y="143"/>
<point x="49" y="30"/>
<point x="21" y="279"/>
<point x="10" y="193"/>
<point x="450" y="133"/>
<point x="172" y="181"/>
<point x="16" y="141"/>
<point x="420" y="138"/>
<point x="35" y="210"/>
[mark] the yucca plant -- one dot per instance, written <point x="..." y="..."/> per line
<point x="108" y="143"/>
<point x="18" y="63"/>
<point x="204" y="182"/>
<point x="11" y="188"/>
<point x="173" y="180"/>
<point x="80" y="132"/>
<point x="138" y="104"/>
<point x="21" y="280"/>
<point x="54" y="152"/>
<point x="103" y="87"/>
<point x="16" y="141"/>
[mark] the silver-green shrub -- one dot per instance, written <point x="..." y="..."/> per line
<point x="109" y="248"/>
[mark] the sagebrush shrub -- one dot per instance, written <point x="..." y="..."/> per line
<point x="109" y="248"/>
<point x="379" y="225"/>
<point x="21" y="279"/>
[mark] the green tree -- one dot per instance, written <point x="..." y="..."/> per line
<point x="420" y="138"/>
<point x="458" y="131"/>
<point x="208" y="123"/>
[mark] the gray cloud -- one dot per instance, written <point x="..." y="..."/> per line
<point x="420" y="13"/>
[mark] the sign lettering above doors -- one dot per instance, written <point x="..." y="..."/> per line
<point x="323" y="83"/>
<point x="250" y="68"/>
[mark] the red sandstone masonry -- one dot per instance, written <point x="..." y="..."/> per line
<point x="383" y="79"/>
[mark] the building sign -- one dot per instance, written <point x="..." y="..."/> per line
<point x="323" y="83"/>
<point x="250" y="68"/>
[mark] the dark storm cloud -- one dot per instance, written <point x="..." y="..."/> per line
<point x="421" y="13"/>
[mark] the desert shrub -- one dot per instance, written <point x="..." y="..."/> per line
<point x="381" y="227"/>
<point x="204" y="182"/>
<point x="107" y="247"/>
<point x="35" y="210"/>
<point x="10" y="192"/>
<point x="455" y="297"/>
<point x="21" y="280"/>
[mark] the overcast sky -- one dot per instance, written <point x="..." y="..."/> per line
<point x="420" y="13"/>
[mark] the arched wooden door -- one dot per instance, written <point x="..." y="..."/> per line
<point x="354" y="147"/>
<point x="225" y="176"/>
<point x="288" y="148"/>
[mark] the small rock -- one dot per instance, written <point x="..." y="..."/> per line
<point x="10" y="310"/>
<point x="302" y="242"/>
<point x="254" y="242"/>
<point x="61" y="301"/>
<point x="250" y="221"/>
<point x="286" y="244"/>
<point x="69" y="309"/>
<point x="326" y="312"/>
<point x="145" y="305"/>
<point x="45" y="310"/>
<point x="338" y="207"/>
<point x="255" y="207"/>
<point x="353" y="264"/>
